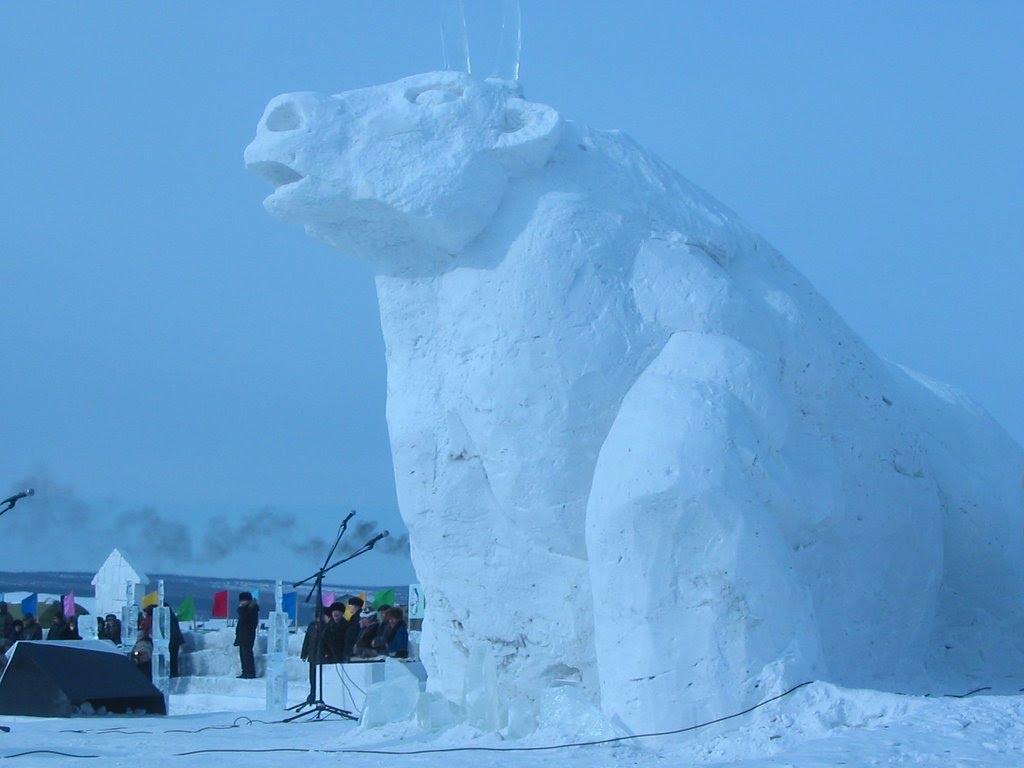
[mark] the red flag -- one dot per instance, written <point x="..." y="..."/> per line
<point x="328" y="599"/>
<point x="220" y="604"/>
<point x="69" y="605"/>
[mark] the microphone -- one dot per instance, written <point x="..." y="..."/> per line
<point x="10" y="501"/>
<point x="350" y="516"/>
<point x="377" y="538"/>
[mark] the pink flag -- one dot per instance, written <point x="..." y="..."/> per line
<point x="69" y="605"/>
<point x="328" y="599"/>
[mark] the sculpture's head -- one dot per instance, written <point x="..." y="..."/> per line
<point x="413" y="169"/>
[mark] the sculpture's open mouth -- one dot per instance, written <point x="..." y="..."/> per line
<point x="276" y="173"/>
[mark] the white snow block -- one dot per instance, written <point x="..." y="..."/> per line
<point x="394" y="699"/>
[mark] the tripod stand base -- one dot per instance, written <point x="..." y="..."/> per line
<point x="318" y="710"/>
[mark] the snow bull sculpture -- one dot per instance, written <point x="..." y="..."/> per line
<point x="632" y="445"/>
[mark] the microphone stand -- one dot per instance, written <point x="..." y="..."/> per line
<point x="319" y="708"/>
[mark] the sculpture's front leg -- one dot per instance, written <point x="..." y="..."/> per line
<point x="692" y="569"/>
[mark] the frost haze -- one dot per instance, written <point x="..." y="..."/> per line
<point x="632" y="445"/>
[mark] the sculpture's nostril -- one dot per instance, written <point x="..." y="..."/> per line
<point x="283" y="117"/>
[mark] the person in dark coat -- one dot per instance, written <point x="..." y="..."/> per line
<point x="142" y="655"/>
<point x="6" y="623"/>
<point x="245" y="633"/>
<point x="60" y="630"/>
<point x="335" y="632"/>
<point x="110" y="629"/>
<point x="383" y="634"/>
<point x="316" y="648"/>
<point x="368" y="628"/>
<point x="31" y="630"/>
<point x="348" y="648"/>
<point x="177" y="639"/>
<point x="398" y="644"/>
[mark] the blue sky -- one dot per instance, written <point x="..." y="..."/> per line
<point x="167" y="343"/>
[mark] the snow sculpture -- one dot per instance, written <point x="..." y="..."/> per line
<point x="632" y="445"/>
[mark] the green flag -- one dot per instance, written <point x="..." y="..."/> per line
<point x="187" y="609"/>
<point x="387" y="597"/>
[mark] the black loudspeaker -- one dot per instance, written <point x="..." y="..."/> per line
<point x="60" y="679"/>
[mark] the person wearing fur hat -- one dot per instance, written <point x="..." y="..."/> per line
<point x="32" y="630"/>
<point x="336" y="630"/>
<point x="6" y="623"/>
<point x="245" y="633"/>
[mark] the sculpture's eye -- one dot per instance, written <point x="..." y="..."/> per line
<point x="284" y="117"/>
<point x="434" y="94"/>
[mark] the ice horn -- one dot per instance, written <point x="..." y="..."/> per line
<point x="454" y="40"/>
<point x="510" y="45"/>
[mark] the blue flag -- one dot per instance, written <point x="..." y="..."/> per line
<point x="290" y="605"/>
<point x="29" y="604"/>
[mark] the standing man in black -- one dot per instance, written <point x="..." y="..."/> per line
<point x="335" y="633"/>
<point x="177" y="639"/>
<point x="355" y="608"/>
<point x="245" y="633"/>
<point x="316" y="648"/>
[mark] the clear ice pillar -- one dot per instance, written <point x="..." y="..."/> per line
<point x="510" y="45"/>
<point x="277" y="654"/>
<point x="161" y="644"/>
<point x="454" y="39"/>
<point x="129" y="616"/>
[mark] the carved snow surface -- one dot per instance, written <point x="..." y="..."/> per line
<point x="632" y="445"/>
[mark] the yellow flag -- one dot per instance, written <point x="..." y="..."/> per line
<point x="150" y="599"/>
<point x="350" y="611"/>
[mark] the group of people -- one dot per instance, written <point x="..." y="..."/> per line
<point x="61" y="628"/>
<point x="12" y="630"/>
<point x="28" y="628"/>
<point x="337" y="635"/>
<point x="142" y="651"/>
<point x="333" y="638"/>
<point x="109" y="628"/>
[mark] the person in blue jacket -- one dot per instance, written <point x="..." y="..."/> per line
<point x="398" y="644"/>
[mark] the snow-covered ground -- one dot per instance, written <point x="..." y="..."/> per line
<point x="213" y="715"/>
<point x="817" y="725"/>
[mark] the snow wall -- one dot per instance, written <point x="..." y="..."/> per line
<point x="633" y="446"/>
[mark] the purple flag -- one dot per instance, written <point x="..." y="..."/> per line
<point x="328" y="599"/>
<point x="69" y="605"/>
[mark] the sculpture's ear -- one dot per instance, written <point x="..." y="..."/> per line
<point x="528" y="135"/>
